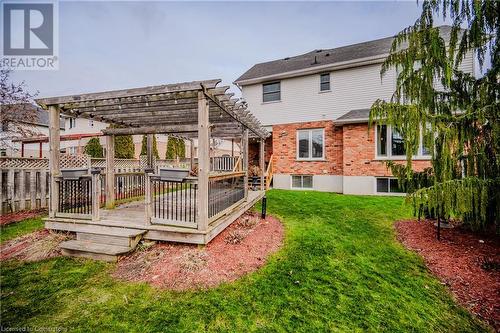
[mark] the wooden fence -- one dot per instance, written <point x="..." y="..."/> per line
<point x="23" y="188"/>
<point x="24" y="182"/>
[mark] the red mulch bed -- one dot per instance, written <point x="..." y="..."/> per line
<point x="38" y="245"/>
<point x="466" y="262"/>
<point x="241" y="248"/>
<point x="19" y="216"/>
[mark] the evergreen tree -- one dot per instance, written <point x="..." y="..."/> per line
<point x="94" y="148"/>
<point x="176" y="148"/>
<point x="463" y="115"/>
<point x="124" y="146"/>
<point x="144" y="146"/>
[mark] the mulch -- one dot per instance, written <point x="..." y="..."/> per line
<point x="468" y="263"/>
<point x="19" y="216"/>
<point x="241" y="248"/>
<point x="38" y="245"/>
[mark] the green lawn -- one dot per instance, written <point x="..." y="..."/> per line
<point x="20" y="228"/>
<point x="341" y="270"/>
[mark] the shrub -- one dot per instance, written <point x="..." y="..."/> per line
<point x="94" y="148"/>
<point x="144" y="148"/>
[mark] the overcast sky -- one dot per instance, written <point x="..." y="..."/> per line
<point x="116" y="45"/>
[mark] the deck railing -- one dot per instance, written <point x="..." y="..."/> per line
<point x="225" y="191"/>
<point x="173" y="203"/>
<point x="269" y="173"/>
<point x="222" y="163"/>
<point x="129" y="185"/>
<point x="78" y="198"/>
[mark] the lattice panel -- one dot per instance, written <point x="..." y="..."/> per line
<point x="74" y="161"/>
<point x="121" y="164"/>
<point x="144" y="162"/>
<point x="23" y="163"/>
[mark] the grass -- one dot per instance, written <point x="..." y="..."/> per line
<point x="17" y="229"/>
<point x="340" y="270"/>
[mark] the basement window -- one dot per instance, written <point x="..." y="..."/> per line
<point x="302" y="181"/>
<point x="388" y="185"/>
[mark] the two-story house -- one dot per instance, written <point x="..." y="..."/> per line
<point x="317" y="106"/>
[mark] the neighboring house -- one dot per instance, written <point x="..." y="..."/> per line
<point x="76" y="132"/>
<point x="317" y="107"/>
<point x="13" y="144"/>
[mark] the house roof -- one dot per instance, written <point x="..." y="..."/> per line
<point x="42" y="116"/>
<point x="354" y="116"/>
<point x="321" y="60"/>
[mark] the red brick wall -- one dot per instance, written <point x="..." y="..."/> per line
<point x="285" y="150"/>
<point x="253" y="151"/>
<point x="359" y="153"/>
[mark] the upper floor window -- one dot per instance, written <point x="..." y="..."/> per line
<point x="72" y="122"/>
<point x="3" y="152"/>
<point x="271" y="92"/>
<point x="310" y="144"/>
<point x="390" y="142"/>
<point x="324" y="82"/>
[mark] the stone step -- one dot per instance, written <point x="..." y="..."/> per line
<point x="97" y="251"/>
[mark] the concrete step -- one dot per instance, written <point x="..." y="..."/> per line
<point x="97" y="251"/>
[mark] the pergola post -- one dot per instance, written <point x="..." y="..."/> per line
<point x="191" y="154"/>
<point x="54" y="158"/>
<point x="203" y="161"/>
<point x="262" y="164"/>
<point x="244" y="141"/>
<point x="149" y="150"/>
<point x="110" y="171"/>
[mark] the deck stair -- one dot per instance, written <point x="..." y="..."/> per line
<point x="102" y="243"/>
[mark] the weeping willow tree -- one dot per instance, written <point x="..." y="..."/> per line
<point x="461" y="111"/>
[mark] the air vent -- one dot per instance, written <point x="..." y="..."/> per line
<point x="318" y="51"/>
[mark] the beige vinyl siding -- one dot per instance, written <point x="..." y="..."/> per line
<point x="351" y="88"/>
<point x="301" y="99"/>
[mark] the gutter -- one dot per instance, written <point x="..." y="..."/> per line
<point x="351" y="121"/>
<point x="316" y="69"/>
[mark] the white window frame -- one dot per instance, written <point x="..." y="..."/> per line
<point x="389" y="156"/>
<point x="388" y="187"/>
<point x="301" y="182"/>
<point x="329" y="82"/>
<point x="273" y="101"/>
<point x="310" y="130"/>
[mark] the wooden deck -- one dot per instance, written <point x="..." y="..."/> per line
<point x="132" y="216"/>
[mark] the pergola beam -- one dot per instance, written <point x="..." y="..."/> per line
<point x="151" y="130"/>
<point x="128" y="93"/>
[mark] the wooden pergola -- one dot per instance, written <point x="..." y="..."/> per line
<point x="198" y="109"/>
